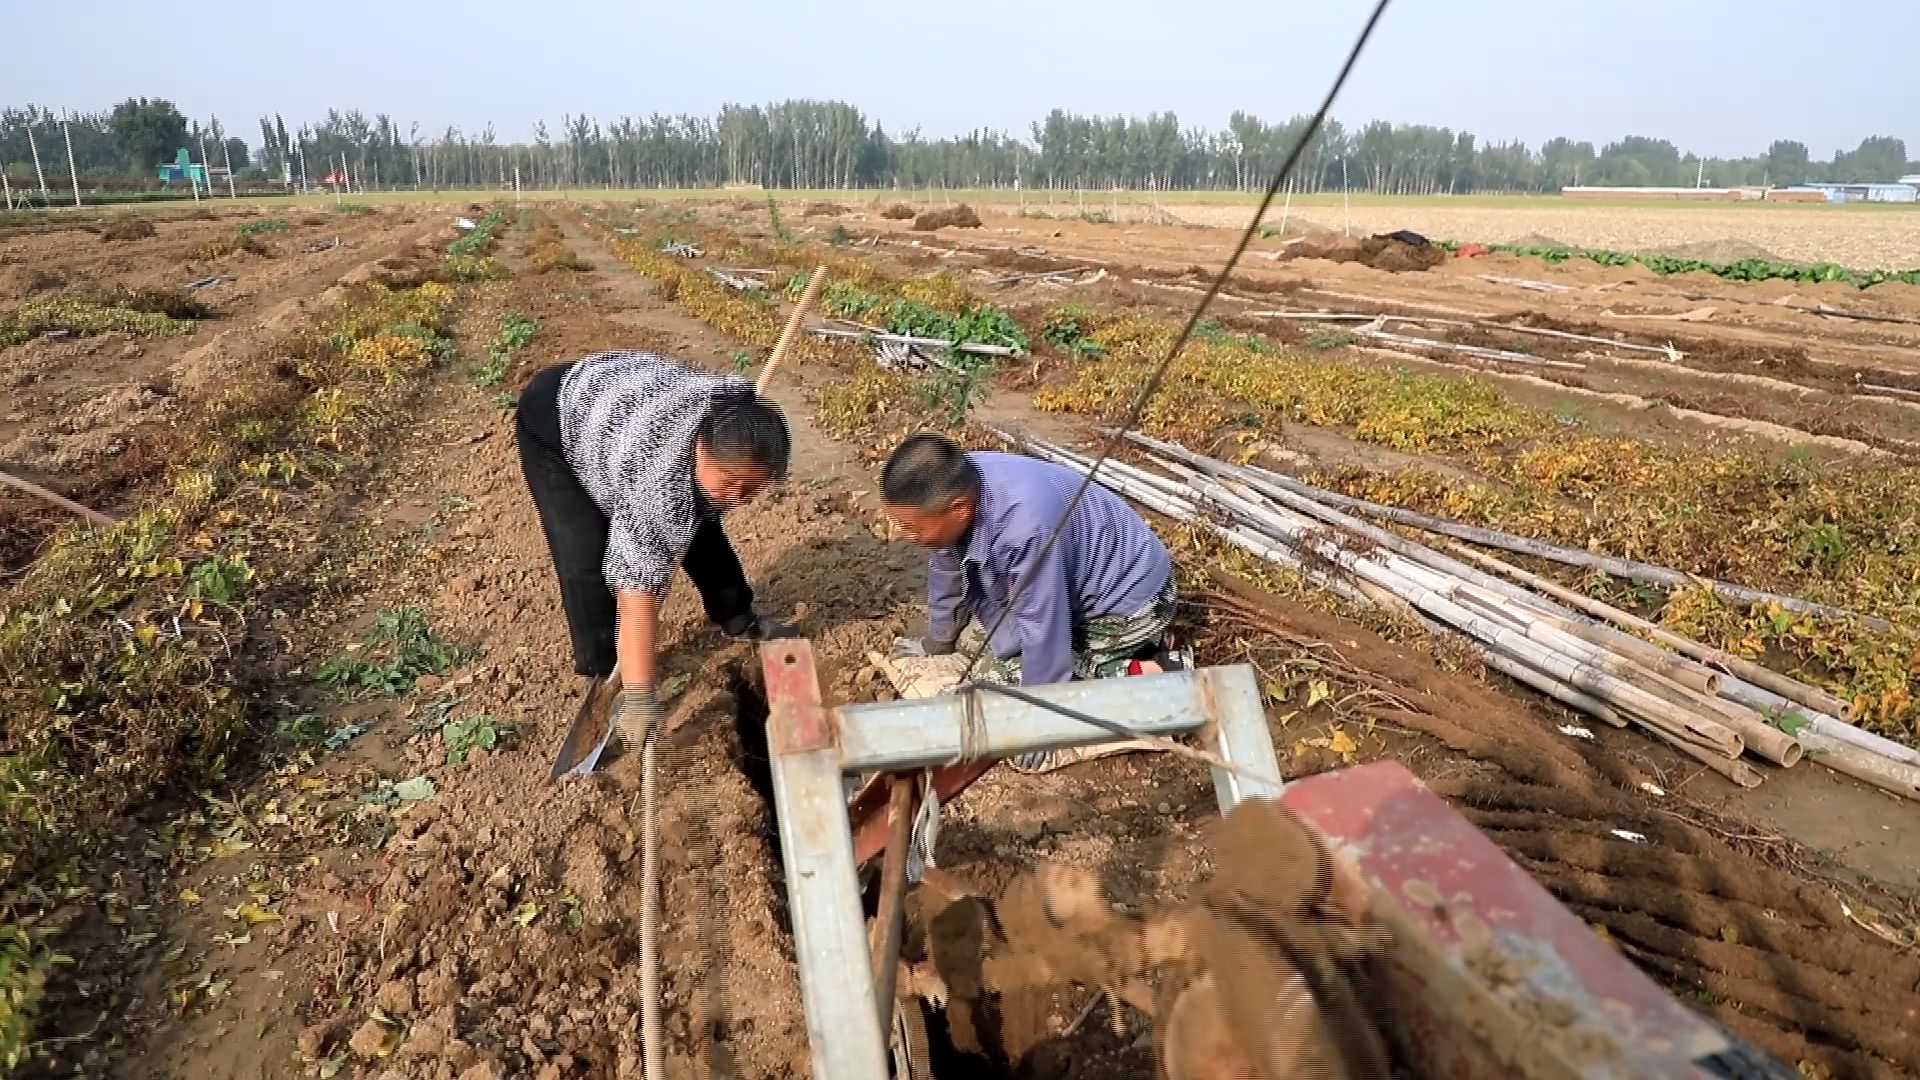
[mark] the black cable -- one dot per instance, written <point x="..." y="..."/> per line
<point x="1111" y="727"/>
<point x="1159" y="373"/>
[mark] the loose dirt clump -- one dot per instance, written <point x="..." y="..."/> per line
<point x="1379" y="252"/>
<point x="825" y="209"/>
<point x="1199" y="969"/>
<point x="960" y="217"/>
<point x="898" y="212"/>
<point x="127" y="228"/>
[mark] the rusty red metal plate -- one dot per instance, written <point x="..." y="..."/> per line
<point x="1493" y="977"/>
<point x="796" y="720"/>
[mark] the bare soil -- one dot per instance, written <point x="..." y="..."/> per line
<point x="493" y="926"/>
<point x="91" y="417"/>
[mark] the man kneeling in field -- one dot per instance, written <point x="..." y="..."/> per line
<point x="1098" y="603"/>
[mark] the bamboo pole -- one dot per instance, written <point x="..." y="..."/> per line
<point x="1477" y="351"/>
<point x="1683" y="725"/>
<point x="1893" y="777"/>
<point x="1552" y="687"/>
<point x="1676" y="712"/>
<point x="807" y="298"/>
<point x="1643" y="706"/>
<point x="1498" y="656"/>
<point x="1628" y="568"/>
<point x="909" y="339"/>
<point x="92" y="516"/>
<point x="1791" y="689"/>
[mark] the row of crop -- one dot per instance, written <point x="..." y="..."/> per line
<point x="1738" y="270"/>
<point x="123" y="651"/>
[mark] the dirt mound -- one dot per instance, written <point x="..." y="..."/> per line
<point x="127" y="228"/>
<point x="100" y="427"/>
<point x="1539" y="240"/>
<point x="960" y="217"/>
<point x="24" y="281"/>
<point x="1380" y="252"/>
<point x="898" y="212"/>
<point x="825" y="209"/>
<point x="1720" y="251"/>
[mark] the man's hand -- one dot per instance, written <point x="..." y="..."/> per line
<point x="635" y="714"/>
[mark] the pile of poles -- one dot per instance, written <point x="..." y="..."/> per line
<point x="1713" y="707"/>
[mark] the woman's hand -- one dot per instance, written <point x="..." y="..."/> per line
<point x="636" y="714"/>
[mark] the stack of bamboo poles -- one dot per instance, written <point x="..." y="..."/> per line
<point x="1715" y="708"/>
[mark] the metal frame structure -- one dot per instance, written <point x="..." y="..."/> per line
<point x="1491" y="978"/>
<point x="814" y="748"/>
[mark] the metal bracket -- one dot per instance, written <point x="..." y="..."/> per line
<point x="813" y="749"/>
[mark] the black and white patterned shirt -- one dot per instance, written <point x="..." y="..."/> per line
<point x="627" y="423"/>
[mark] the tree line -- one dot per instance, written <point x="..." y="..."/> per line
<point x="830" y="144"/>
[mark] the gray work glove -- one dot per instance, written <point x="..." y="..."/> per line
<point x="754" y="626"/>
<point x="635" y="714"/>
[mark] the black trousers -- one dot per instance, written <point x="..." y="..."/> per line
<point x="576" y="531"/>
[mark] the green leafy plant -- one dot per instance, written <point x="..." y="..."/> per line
<point x="303" y="729"/>
<point x="742" y="360"/>
<point x="258" y="228"/>
<point x="780" y="229"/>
<point x="1067" y="330"/>
<point x="516" y="329"/>
<point x="24" y="966"/>
<point x="953" y="394"/>
<point x="1738" y="270"/>
<point x="839" y="237"/>
<point x="353" y="209"/>
<point x="476" y="268"/>
<point x="1327" y="337"/>
<point x="463" y="737"/>
<point x="80" y="316"/>
<point x="218" y="579"/>
<point x="399" y="649"/>
<point x="477" y="239"/>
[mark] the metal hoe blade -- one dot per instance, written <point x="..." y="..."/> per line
<point x="580" y="755"/>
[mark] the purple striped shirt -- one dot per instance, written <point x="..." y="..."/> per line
<point x="1106" y="562"/>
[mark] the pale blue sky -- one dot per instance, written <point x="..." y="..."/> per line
<point x="1723" y="77"/>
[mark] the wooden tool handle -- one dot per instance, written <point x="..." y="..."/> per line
<point x="807" y="298"/>
<point x="93" y="516"/>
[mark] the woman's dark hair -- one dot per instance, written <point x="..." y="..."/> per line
<point x="746" y="429"/>
<point x="928" y="472"/>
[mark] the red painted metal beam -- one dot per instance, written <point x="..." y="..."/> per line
<point x="1491" y="976"/>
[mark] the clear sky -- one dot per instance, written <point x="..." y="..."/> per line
<point x="1722" y="77"/>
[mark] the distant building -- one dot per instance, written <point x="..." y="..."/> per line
<point x="1913" y="180"/>
<point x="1903" y="192"/>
